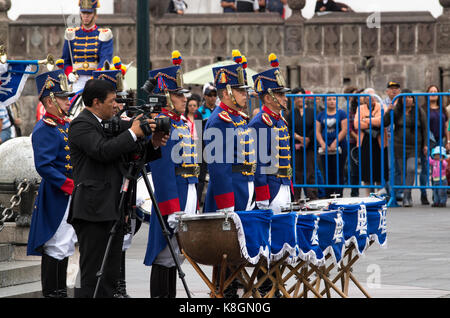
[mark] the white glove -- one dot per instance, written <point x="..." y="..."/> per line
<point x="73" y="78"/>
<point x="230" y="209"/>
<point x="172" y="221"/>
<point x="262" y="205"/>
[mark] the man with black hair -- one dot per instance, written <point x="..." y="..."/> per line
<point x="98" y="162"/>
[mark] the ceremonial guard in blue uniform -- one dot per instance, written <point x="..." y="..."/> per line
<point x="86" y="48"/>
<point x="174" y="178"/>
<point x="50" y="235"/>
<point x="273" y="186"/>
<point x="229" y="146"/>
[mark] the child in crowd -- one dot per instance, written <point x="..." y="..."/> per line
<point x="439" y="166"/>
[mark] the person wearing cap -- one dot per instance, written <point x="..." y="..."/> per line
<point x="97" y="157"/>
<point x="86" y="48"/>
<point x="272" y="177"/>
<point x="438" y="165"/>
<point x="210" y="97"/>
<point x="50" y="235"/>
<point x="115" y="77"/>
<point x="229" y="147"/>
<point x="174" y="178"/>
<point x="392" y="90"/>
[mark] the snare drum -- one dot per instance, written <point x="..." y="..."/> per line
<point x="143" y="200"/>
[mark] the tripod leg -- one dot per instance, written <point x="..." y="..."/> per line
<point x="165" y="232"/>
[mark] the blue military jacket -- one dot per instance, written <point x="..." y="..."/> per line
<point x="228" y="147"/>
<point x="90" y="49"/>
<point x="52" y="162"/>
<point x="170" y="182"/>
<point x="268" y="125"/>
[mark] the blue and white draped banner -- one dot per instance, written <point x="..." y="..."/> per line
<point x="376" y="216"/>
<point x="283" y="237"/>
<point x="12" y="81"/>
<point x="253" y="228"/>
<point x="308" y="239"/>
<point x="331" y="234"/>
<point x="355" y="224"/>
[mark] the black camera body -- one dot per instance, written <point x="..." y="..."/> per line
<point x="112" y="127"/>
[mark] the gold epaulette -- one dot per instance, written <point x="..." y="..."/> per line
<point x="225" y="117"/>
<point x="266" y="119"/>
<point x="49" y="122"/>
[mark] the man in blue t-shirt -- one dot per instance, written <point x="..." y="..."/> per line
<point x="331" y="132"/>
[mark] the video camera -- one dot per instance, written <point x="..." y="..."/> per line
<point x="155" y="104"/>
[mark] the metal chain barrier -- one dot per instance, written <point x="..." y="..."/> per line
<point x="15" y="200"/>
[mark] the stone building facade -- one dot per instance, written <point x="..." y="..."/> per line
<point x="322" y="54"/>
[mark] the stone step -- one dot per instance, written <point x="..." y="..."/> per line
<point x="13" y="252"/>
<point x="28" y="290"/>
<point x="6" y="252"/>
<point x="14" y="234"/>
<point x="19" y="272"/>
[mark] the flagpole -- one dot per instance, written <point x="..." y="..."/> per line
<point x="143" y="46"/>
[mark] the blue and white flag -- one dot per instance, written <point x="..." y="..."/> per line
<point x="12" y="81"/>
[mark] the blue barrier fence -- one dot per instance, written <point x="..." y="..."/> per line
<point x="377" y="157"/>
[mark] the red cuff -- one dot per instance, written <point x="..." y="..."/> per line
<point x="68" y="70"/>
<point x="225" y="200"/>
<point x="169" y="207"/>
<point x="262" y="193"/>
<point x="68" y="186"/>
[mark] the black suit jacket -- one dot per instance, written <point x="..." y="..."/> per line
<point x="96" y="160"/>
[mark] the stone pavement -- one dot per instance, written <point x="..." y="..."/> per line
<point x="414" y="264"/>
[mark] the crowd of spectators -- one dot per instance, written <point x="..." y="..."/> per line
<point x="279" y="6"/>
<point x="353" y="135"/>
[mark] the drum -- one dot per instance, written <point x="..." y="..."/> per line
<point x="205" y="238"/>
<point x="243" y="236"/>
<point x="143" y="200"/>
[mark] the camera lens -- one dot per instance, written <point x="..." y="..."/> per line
<point x="163" y="124"/>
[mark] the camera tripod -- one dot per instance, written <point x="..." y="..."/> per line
<point x="136" y="168"/>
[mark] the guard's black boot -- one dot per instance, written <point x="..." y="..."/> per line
<point x="162" y="282"/>
<point x="121" y="285"/>
<point x="53" y="277"/>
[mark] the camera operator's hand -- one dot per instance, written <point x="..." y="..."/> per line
<point x="136" y="127"/>
<point x="159" y="139"/>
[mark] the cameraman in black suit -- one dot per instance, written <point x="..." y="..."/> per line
<point x="97" y="158"/>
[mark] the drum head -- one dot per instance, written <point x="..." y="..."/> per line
<point x="143" y="200"/>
